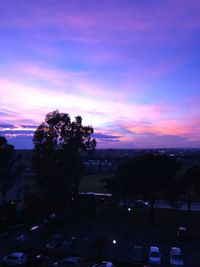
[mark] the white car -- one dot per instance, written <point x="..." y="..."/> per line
<point x="15" y="259"/>
<point x="154" y="256"/>
<point x="69" y="261"/>
<point x="55" y="241"/>
<point x="176" y="258"/>
<point x="104" y="264"/>
<point x="22" y="238"/>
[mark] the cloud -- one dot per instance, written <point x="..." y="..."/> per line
<point x="112" y="118"/>
<point x="7" y="112"/>
<point x="4" y="125"/>
<point x="105" y="137"/>
<point x="127" y="67"/>
<point x="103" y="21"/>
<point x="150" y="140"/>
<point x="29" y="126"/>
<point x="16" y="132"/>
<point x="85" y="83"/>
<point x="31" y="99"/>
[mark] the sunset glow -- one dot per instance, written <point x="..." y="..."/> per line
<point x="130" y="68"/>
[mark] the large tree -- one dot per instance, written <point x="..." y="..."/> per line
<point x="59" y="143"/>
<point x="147" y="176"/>
<point x="6" y="153"/>
<point x="189" y="182"/>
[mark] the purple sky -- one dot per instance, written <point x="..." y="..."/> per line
<point x="130" y="68"/>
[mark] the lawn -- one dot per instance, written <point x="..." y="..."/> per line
<point x="163" y="217"/>
<point x="93" y="183"/>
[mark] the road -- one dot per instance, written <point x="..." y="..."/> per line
<point x="163" y="204"/>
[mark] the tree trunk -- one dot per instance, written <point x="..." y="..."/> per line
<point x="152" y="211"/>
<point x="125" y="208"/>
<point x="67" y="212"/>
<point x="189" y="201"/>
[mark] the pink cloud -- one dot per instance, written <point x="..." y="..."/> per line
<point x="125" y="52"/>
<point x="74" y="82"/>
<point x="103" y="22"/>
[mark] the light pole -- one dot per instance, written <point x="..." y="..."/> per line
<point x="114" y="241"/>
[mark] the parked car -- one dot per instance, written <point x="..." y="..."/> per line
<point x="40" y="231"/>
<point x="22" y="238"/>
<point x="15" y="259"/>
<point x="52" y="221"/>
<point x="141" y="203"/>
<point x="40" y="260"/>
<point x="21" y="241"/>
<point x="176" y="258"/>
<point x="154" y="256"/>
<point x="182" y="233"/>
<point x="55" y="241"/>
<point x="65" y="245"/>
<point x="69" y="261"/>
<point x="138" y="255"/>
<point x="104" y="264"/>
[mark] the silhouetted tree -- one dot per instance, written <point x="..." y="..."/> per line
<point x="189" y="182"/>
<point x="146" y="176"/>
<point x="6" y="153"/>
<point x="57" y="156"/>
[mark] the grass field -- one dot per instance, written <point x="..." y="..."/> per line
<point x="93" y="183"/>
<point x="163" y="217"/>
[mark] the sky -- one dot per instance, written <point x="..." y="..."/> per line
<point x="130" y="68"/>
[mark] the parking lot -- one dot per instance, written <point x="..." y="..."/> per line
<point x="94" y="241"/>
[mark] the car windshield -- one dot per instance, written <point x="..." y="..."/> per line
<point x="155" y="255"/>
<point x="12" y="257"/>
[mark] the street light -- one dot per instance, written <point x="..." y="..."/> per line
<point x="114" y="242"/>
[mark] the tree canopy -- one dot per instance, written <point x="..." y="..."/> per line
<point x="189" y="182"/>
<point x="147" y="176"/>
<point x="6" y="152"/>
<point x="57" y="154"/>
